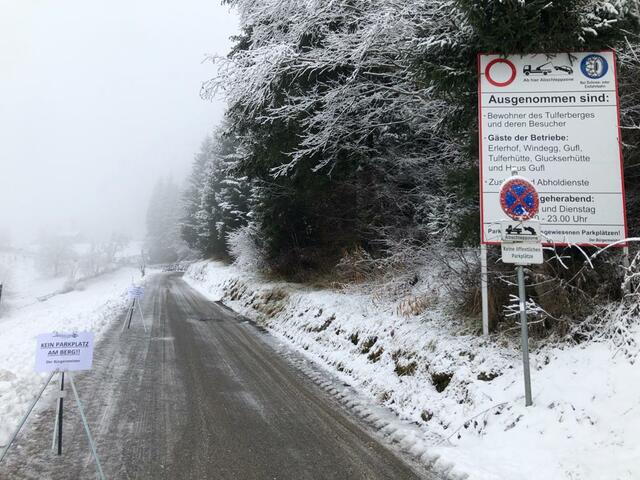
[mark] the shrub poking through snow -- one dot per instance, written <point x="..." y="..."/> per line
<point x="375" y="355"/>
<point x="426" y="415"/>
<point x="404" y="366"/>
<point x="441" y="380"/>
<point x="415" y="305"/>
<point x="405" y="369"/>
<point x="617" y="323"/>
<point x="324" y="325"/>
<point x="368" y="344"/>
<point x="487" y="376"/>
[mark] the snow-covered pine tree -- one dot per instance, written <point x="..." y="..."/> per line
<point x="163" y="241"/>
<point x="208" y="212"/>
<point x="192" y="196"/>
<point x="333" y="119"/>
<point x="234" y="189"/>
<point x="369" y="109"/>
<point x="215" y="200"/>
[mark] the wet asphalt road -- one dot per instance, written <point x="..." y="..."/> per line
<point x="201" y="396"/>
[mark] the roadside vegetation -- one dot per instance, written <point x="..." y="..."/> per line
<point x="349" y="151"/>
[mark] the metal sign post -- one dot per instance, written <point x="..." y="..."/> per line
<point x="484" y="288"/>
<point x="135" y="293"/>
<point x="57" y="427"/>
<point x="127" y="322"/>
<point x="521" y="245"/>
<point x="524" y="336"/>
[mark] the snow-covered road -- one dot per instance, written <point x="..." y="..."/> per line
<point x="203" y="395"/>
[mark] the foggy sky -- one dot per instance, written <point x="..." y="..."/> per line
<point x="98" y="98"/>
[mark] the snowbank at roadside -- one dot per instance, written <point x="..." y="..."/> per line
<point x="93" y="308"/>
<point x="464" y="394"/>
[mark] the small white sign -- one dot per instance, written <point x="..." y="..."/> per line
<point x="515" y="231"/>
<point x="136" y="291"/>
<point x="522" y="253"/>
<point x="64" y="352"/>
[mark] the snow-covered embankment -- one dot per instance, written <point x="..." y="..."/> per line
<point x="464" y="393"/>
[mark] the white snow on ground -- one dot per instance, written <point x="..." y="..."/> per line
<point x="93" y="308"/>
<point x="21" y="280"/>
<point x="464" y="393"/>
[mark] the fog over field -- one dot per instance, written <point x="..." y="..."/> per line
<point x="98" y="100"/>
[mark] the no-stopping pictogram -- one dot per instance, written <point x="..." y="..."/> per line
<point x="519" y="199"/>
<point x="498" y="68"/>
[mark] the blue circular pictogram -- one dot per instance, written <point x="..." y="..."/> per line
<point x="594" y="66"/>
<point x="519" y="199"/>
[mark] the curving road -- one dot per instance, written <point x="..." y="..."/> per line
<point x="202" y="396"/>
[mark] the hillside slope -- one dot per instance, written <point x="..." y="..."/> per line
<point x="464" y="393"/>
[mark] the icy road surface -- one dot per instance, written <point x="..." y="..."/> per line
<point x="202" y="396"/>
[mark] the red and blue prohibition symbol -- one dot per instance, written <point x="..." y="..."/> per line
<point x="519" y="199"/>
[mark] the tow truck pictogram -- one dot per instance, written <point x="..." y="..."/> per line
<point x="539" y="70"/>
<point x="546" y="69"/>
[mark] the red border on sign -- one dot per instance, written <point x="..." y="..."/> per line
<point x="624" y="196"/>
<point x="500" y="84"/>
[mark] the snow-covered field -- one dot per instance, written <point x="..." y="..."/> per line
<point x="23" y="317"/>
<point x="464" y="393"/>
<point x="21" y="280"/>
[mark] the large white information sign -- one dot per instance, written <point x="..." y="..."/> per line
<point x="64" y="352"/>
<point x="555" y="120"/>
